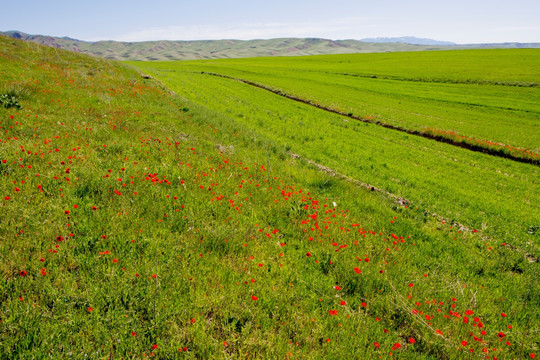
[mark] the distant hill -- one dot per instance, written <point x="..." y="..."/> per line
<point x="215" y="49"/>
<point x="408" y="40"/>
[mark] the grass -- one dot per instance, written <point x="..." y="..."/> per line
<point x="138" y="223"/>
<point x="494" y="101"/>
<point x="455" y="183"/>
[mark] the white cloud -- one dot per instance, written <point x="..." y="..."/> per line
<point x="338" y="29"/>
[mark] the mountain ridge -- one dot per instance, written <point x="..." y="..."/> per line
<point x="230" y="48"/>
<point x="412" y="40"/>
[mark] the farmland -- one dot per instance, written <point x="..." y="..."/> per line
<point x="489" y="94"/>
<point x="465" y="187"/>
<point x="141" y="223"/>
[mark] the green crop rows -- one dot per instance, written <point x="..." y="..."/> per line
<point x="488" y="95"/>
<point x="499" y="196"/>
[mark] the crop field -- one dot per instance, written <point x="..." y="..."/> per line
<point x="480" y="95"/>
<point x="199" y="217"/>
<point x="480" y="191"/>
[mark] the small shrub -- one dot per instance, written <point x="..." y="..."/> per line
<point x="9" y="101"/>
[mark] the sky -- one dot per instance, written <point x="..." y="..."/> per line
<point x="459" y="21"/>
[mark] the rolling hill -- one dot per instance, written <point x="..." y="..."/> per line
<point x="216" y="49"/>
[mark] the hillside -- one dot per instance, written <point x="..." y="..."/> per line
<point x="140" y="223"/>
<point x="214" y="49"/>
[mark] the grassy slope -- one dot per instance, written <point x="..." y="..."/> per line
<point x="133" y="227"/>
<point x="483" y="192"/>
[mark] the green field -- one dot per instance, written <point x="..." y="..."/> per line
<point x="141" y="223"/>
<point x="479" y="191"/>
<point x="488" y="95"/>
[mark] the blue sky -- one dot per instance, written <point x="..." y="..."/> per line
<point x="458" y="21"/>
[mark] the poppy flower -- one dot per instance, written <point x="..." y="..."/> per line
<point x="254" y="298"/>
<point x="357" y="270"/>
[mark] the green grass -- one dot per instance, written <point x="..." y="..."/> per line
<point x="136" y="223"/>
<point x="480" y="95"/>
<point x="480" y="191"/>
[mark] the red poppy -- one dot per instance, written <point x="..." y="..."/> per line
<point x="357" y="270"/>
<point x="254" y="298"/>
